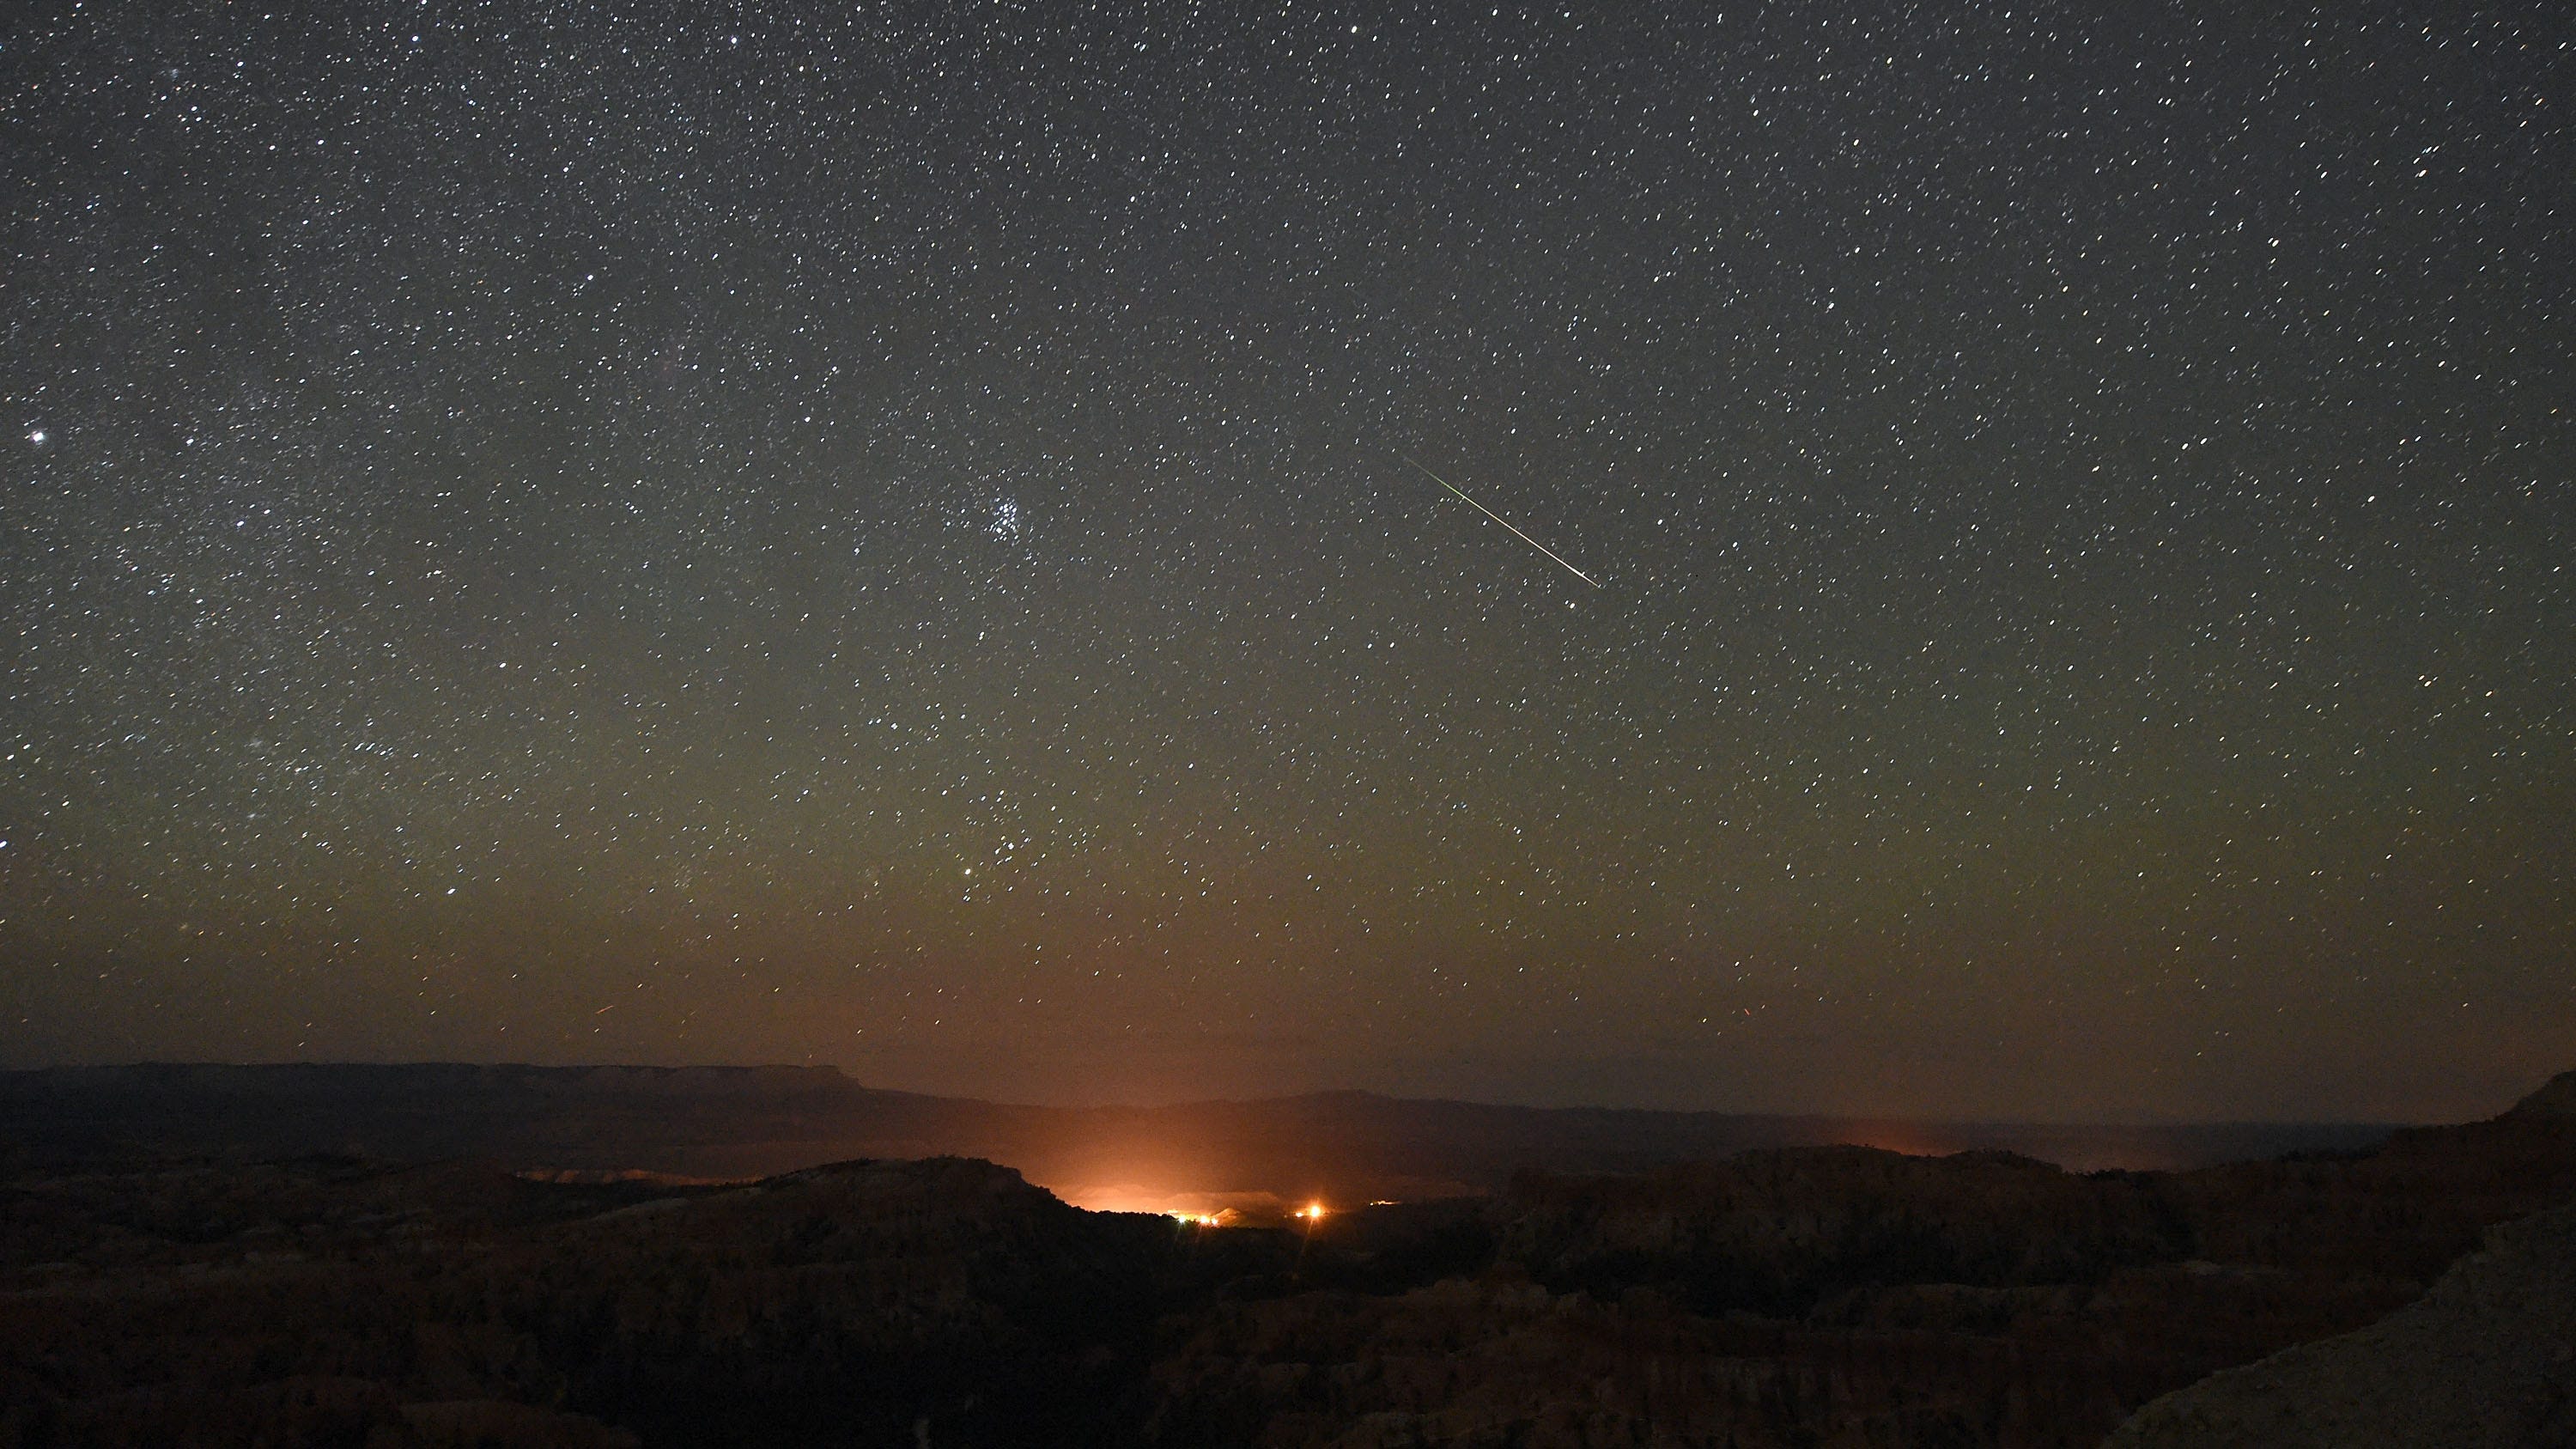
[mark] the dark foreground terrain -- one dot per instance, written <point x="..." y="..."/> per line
<point x="1798" y="1296"/>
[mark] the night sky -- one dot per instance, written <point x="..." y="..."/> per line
<point x="643" y="533"/>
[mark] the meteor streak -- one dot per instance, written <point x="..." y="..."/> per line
<point x="1505" y="522"/>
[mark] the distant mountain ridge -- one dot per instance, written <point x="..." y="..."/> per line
<point x="2555" y="1098"/>
<point x="718" y="1121"/>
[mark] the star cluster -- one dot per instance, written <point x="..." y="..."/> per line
<point x="678" y="532"/>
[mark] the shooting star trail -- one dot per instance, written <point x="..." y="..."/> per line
<point x="1505" y="522"/>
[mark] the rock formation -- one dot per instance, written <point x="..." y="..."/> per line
<point x="2486" y="1360"/>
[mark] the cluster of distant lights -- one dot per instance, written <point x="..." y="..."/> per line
<point x="1311" y="1214"/>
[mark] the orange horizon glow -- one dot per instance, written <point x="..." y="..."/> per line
<point x="1202" y="1208"/>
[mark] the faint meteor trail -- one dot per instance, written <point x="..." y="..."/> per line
<point x="1498" y="518"/>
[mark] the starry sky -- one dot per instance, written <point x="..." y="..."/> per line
<point x="902" y="536"/>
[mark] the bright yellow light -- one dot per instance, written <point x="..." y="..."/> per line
<point x="1312" y="1212"/>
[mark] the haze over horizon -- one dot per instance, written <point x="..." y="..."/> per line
<point x="699" y="535"/>
<point x="1144" y="1103"/>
